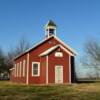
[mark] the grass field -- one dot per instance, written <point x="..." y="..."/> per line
<point x="10" y="91"/>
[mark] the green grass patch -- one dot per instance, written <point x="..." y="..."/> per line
<point x="12" y="91"/>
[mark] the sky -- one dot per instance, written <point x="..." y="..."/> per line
<point x="77" y="21"/>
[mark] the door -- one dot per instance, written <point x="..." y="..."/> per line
<point x="59" y="74"/>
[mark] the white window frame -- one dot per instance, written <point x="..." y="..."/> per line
<point x="59" y="54"/>
<point x="24" y="64"/>
<point x="38" y="69"/>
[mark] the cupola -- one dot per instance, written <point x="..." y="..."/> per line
<point x="50" y="29"/>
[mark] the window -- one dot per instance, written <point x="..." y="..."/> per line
<point x="51" y="31"/>
<point x="58" y="54"/>
<point x="24" y="64"/>
<point x="35" y="69"/>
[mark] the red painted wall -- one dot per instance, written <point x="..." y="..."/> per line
<point x="63" y="61"/>
<point x="43" y="70"/>
<point x="34" y="57"/>
<point x="20" y="79"/>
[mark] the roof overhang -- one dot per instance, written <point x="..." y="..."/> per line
<point x="72" y="50"/>
<point x="11" y="69"/>
<point x="47" y="52"/>
<point x="67" y="46"/>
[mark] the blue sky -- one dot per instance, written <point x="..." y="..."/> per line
<point x="77" y="21"/>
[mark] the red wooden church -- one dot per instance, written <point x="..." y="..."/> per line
<point x="50" y="61"/>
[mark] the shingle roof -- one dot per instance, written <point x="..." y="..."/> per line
<point x="51" y="23"/>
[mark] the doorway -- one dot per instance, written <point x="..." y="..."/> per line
<point x="59" y="74"/>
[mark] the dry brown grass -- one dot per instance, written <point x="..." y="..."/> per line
<point x="13" y="91"/>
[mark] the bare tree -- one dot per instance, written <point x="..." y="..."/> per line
<point x="6" y="60"/>
<point x="91" y="58"/>
<point x="22" y="46"/>
<point x="9" y="58"/>
<point x="3" y="66"/>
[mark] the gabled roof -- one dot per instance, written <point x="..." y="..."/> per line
<point x="67" y="46"/>
<point x="51" y="23"/>
<point x="52" y="49"/>
<point x="49" y="50"/>
<point x="73" y="51"/>
<point x="33" y="47"/>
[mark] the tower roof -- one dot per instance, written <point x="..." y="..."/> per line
<point x="51" y="23"/>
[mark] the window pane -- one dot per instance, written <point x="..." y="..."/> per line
<point x="35" y="66"/>
<point x="35" y="72"/>
<point x="35" y="69"/>
<point x="51" y="31"/>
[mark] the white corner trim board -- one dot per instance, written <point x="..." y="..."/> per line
<point x="69" y="69"/>
<point x="47" y="69"/>
<point x="27" y="77"/>
<point x="75" y="53"/>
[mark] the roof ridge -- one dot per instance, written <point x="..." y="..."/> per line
<point x="66" y="45"/>
<point x="33" y="46"/>
<point x="74" y="52"/>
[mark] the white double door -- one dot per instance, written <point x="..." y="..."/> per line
<point x="59" y="74"/>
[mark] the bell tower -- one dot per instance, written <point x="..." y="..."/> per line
<point x="50" y="29"/>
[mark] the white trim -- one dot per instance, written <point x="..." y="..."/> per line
<point x="53" y="48"/>
<point x="20" y="69"/>
<point x="38" y="43"/>
<point x="38" y="63"/>
<point x="74" y="52"/>
<point x="48" y="27"/>
<point x="34" y="46"/>
<point x="45" y="33"/>
<point x="47" y="30"/>
<point x="66" y="50"/>
<point x="47" y="61"/>
<point x="15" y="70"/>
<point x="49" y="50"/>
<point x="62" y="79"/>
<point x="11" y="69"/>
<point x="58" y="54"/>
<point x="27" y="77"/>
<point x="55" y="32"/>
<point x="66" y="45"/>
<point x="69" y="69"/>
<point x="24" y="66"/>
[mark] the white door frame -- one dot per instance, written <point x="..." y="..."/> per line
<point x="57" y="81"/>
